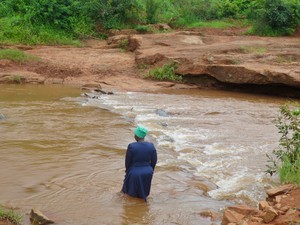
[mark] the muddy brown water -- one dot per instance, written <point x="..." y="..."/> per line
<point x="63" y="153"/>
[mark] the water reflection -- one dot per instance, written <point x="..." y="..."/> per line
<point x="135" y="211"/>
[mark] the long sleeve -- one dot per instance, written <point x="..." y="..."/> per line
<point x="128" y="158"/>
<point x="154" y="159"/>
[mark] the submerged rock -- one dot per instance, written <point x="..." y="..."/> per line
<point x="161" y="112"/>
<point x="2" y="117"/>
<point x="104" y="92"/>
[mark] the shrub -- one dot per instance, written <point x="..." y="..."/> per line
<point x="143" y="29"/>
<point x="287" y="155"/>
<point x="166" y="73"/>
<point x="275" y="17"/>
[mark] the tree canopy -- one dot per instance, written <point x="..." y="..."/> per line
<point x="36" y="21"/>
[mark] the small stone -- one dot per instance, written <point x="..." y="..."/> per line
<point x="257" y="219"/>
<point x="277" y="206"/>
<point x="263" y="204"/>
<point x="285" y="208"/>
<point x="214" y="216"/>
<point x="278" y="198"/>
<point x="270" y="215"/>
<point x="243" y="222"/>
<point x="290" y="212"/>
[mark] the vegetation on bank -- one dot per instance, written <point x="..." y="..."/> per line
<point x="16" y="55"/>
<point x="164" y="73"/>
<point x="10" y="215"/>
<point x="65" y="22"/>
<point x="285" y="160"/>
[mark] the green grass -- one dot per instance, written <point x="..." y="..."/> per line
<point x="220" y="24"/>
<point x="286" y="59"/>
<point x="253" y="49"/>
<point x="290" y="172"/>
<point x="10" y="215"/>
<point x="165" y="73"/>
<point x="16" y="55"/>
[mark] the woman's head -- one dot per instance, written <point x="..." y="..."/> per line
<point x="140" y="132"/>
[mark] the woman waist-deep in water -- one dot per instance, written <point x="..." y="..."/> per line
<point x="140" y="162"/>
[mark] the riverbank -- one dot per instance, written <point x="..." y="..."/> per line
<point x="281" y="207"/>
<point x="207" y="58"/>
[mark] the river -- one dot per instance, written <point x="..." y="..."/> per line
<point x="63" y="153"/>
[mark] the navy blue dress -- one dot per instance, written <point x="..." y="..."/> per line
<point x="140" y="161"/>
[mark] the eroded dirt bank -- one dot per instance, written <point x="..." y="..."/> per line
<point x="226" y="60"/>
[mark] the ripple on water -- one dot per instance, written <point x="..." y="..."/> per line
<point x="65" y="155"/>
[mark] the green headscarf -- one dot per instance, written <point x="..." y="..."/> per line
<point x="140" y="131"/>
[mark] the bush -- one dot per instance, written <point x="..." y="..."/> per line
<point x="287" y="155"/>
<point x="143" y="29"/>
<point x="166" y="73"/>
<point x="275" y="17"/>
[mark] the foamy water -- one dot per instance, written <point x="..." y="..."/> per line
<point x="223" y="139"/>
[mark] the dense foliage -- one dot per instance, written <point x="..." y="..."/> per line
<point x="275" y="17"/>
<point x="61" y="21"/>
<point x="287" y="156"/>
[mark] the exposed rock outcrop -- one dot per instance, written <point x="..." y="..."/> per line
<point x="231" y="60"/>
<point x="278" y="209"/>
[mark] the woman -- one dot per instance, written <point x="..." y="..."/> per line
<point x="140" y="161"/>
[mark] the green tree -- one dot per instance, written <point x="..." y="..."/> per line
<point x="275" y="17"/>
